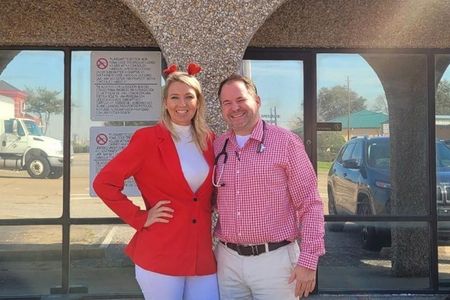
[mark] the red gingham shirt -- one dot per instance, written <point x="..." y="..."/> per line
<point x="269" y="196"/>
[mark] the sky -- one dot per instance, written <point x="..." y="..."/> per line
<point x="279" y="83"/>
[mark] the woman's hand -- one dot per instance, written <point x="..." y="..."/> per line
<point x="159" y="213"/>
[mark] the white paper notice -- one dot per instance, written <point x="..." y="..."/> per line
<point x="105" y="143"/>
<point x="125" y="85"/>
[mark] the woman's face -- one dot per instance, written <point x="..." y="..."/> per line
<point x="181" y="103"/>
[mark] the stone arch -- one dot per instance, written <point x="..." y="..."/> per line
<point x="69" y="23"/>
<point x="214" y="34"/>
<point x="6" y="58"/>
<point x="356" y="24"/>
<point x="72" y="23"/>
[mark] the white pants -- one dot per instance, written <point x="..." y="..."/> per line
<point x="156" y="286"/>
<point x="261" y="277"/>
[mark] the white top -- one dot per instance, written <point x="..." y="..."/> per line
<point x="193" y="164"/>
<point x="242" y="139"/>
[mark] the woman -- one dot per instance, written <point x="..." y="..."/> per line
<point x="172" y="166"/>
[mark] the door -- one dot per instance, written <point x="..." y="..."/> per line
<point x="284" y="88"/>
<point x="339" y="181"/>
<point x="11" y="141"/>
<point x="352" y="180"/>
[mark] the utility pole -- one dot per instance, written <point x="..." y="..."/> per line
<point x="349" y="108"/>
<point x="272" y="117"/>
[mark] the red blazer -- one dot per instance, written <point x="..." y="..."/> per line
<point x="184" y="245"/>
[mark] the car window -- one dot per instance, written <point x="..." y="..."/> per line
<point x="341" y="151"/>
<point x="379" y="154"/>
<point x="348" y="151"/>
<point x="32" y="128"/>
<point x="358" y="152"/>
<point x="8" y="126"/>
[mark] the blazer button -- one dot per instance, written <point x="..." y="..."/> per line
<point x="194" y="221"/>
<point x="195" y="199"/>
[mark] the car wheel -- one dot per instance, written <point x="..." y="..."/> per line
<point x="333" y="226"/>
<point x="38" y="167"/>
<point x="55" y="173"/>
<point x="370" y="240"/>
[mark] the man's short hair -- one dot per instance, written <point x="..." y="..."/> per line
<point x="251" y="88"/>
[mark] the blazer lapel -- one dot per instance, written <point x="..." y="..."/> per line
<point x="208" y="154"/>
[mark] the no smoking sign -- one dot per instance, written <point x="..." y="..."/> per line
<point x="102" y="63"/>
<point x="101" y="139"/>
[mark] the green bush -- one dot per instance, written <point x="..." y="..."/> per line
<point x="328" y="145"/>
<point x="80" y="148"/>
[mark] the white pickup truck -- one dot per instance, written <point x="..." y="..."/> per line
<point x="24" y="147"/>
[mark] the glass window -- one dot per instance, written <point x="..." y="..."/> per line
<point x="348" y="152"/>
<point x="94" y="84"/>
<point x="30" y="260"/>
<point x="378" y="154"/>
<point x="390" y="179"/>
<point x="358" y="152"/>
<point x="97" y="258"/>
<point x="280" y="87"/>
<point x="442" y="132"/>
<point x="31" y="105"/>
<point x="348" y="266"/>
<point x="388" y="113"/>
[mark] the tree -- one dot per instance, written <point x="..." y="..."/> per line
<point x="443" y="98"/>
<point x="296" y="126"/>
<point x="380" y="104"/>
<point x="333" y="102"/>
<point x="43" y="102"/>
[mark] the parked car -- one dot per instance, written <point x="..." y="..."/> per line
<point x="359" y="184"/>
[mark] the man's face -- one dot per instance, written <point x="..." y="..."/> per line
<point x="240" y="109"/>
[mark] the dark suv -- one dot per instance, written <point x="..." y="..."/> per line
<point x="359" y="184"/>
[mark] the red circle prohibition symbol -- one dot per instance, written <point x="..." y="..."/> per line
<point x="101" y="139"/>
<point x="102" y="63"/>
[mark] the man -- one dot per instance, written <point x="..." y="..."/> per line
<point x="267" y="198"/>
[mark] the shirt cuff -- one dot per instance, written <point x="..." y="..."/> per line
<point x="308" y="260"/>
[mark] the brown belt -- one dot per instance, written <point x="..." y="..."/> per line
<point x="253" y="250"/>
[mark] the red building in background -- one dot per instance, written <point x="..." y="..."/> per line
<point x="19" y="99"/>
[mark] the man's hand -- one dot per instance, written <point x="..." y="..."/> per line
<point x="159" y="213"/>
<point x="305" y="281"/>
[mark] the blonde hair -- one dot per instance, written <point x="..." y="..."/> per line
<point x="200" y="129"/>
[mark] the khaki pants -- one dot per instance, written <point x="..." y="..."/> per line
<point x="261" y="277"/>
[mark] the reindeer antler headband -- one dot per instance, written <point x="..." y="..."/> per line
<point x="192" y="69"/>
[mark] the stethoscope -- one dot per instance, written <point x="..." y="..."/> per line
<point x="259" y="149"/>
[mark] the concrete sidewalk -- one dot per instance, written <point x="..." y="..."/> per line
<point x="313" y="297"/>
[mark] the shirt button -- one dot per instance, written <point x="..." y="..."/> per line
<point x="237" y="172"/>
<point x="194" y="221"/>
<point x="195" y="199"/>
<point x="238" y="213"/>
<point x="239" y="234"/>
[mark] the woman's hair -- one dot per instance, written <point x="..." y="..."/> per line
<point x="200" y="130"/>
